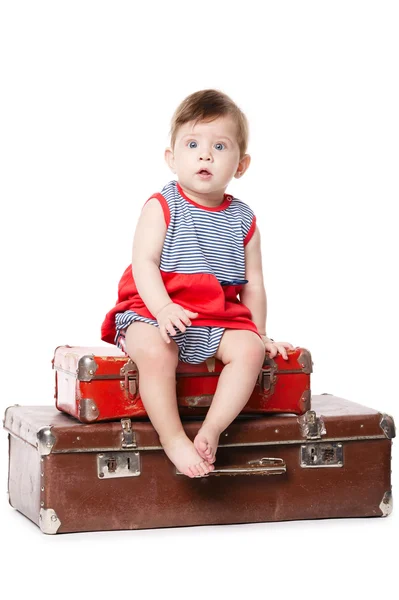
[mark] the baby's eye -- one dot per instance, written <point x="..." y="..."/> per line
<point x="192" y="144"/>
<point x="219" y="146"/>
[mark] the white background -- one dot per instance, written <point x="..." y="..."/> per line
<point x="88" y="91"/>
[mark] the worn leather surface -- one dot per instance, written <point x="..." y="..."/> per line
<point x="99" y="392"/>
<point x="158" y="497"/>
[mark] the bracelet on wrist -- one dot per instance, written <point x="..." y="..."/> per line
<point x="264" y="335"/>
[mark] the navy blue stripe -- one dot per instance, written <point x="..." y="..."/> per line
<point x="196" y="344"/>
<point x="202" y="241"/>
<point x="199" y="241"/>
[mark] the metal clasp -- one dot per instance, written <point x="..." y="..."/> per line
<point x="268" y="376"/>
<point x="312" y="427"/>
<point x="130" y="383"/>
<point x="128" y="435"/>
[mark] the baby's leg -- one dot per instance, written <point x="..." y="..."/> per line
<point x="156" y="362"/>
<point x="242" y="353"/>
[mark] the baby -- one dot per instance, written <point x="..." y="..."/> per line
<point x="195" y="286"/>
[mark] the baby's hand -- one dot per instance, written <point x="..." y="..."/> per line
<point x="276" y="347"/>
<point x="173" y="314"/>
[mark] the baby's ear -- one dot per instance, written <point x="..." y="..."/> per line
<point x="170" y="160"/>
<point x="243" y="166"/>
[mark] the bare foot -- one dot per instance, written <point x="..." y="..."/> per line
<point x="180" y="450"/>
<point x="206" y="443"/>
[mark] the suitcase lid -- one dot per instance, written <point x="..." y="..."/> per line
<point x="89" y="362"/>
<point x="330" y="418"/>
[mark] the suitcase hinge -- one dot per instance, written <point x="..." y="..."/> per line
<point x="128" y="435"/>
<point x="312" y="427"/>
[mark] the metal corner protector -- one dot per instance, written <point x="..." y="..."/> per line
<point x="87" y="367"/>
<point x="48" y="521"/>
<point x="387" y="425"/>
<point x="45" y="440"/>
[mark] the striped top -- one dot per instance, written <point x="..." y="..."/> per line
<point x="202" y="263"/>
<point x="202" y="239"/>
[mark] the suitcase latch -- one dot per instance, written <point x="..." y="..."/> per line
<point x="118" y="464"/>
<point x="267" y="378"/>
<point x="322" y="455"/>
<point x="312" y="427"/>
<point x="130" y="382"/>
<point x="128" y="435"/>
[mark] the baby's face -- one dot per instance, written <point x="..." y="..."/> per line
<point x="206" y="156"/>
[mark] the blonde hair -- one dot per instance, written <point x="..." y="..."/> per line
<point x="208" y="105"/>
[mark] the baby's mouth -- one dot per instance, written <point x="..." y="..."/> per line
<point x="204" y="173"/>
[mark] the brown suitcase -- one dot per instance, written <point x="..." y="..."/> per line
<point x="102" y="383"/>
<point x="333" y="461"/>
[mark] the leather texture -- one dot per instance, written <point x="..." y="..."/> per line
<point x="65" y="481"/>
<point x="282" y="386"/>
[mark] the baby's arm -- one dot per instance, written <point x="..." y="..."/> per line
<point x="147" y="248"/>
<point x="253" y="294"/>
<point x="148" y="242"/>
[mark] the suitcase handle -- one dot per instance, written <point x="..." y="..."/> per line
<point x="260" y="466"/>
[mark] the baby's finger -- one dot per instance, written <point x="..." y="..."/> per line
<point x="170" y="328"/>
<point x="190" y="313"/>
<point x="164" y="335"/>
<point x="178" y="324"/>
<point x="271" y="349"/>
<point x="183" y="317"/>
<point x="282" y="351"/>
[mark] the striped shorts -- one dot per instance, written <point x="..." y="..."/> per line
<point x="196" y="344"/>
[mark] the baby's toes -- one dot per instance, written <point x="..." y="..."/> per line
<point x="203" y="467"/>
<point x="195" y="469"/>
<point x="208" y="466"/>
<point x="200" y="469"/>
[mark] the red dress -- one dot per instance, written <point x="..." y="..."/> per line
<point x="202" y="263"/>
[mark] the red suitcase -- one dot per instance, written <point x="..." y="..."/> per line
<point x="101" y="383"/>
<point x="333" y="461"/>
